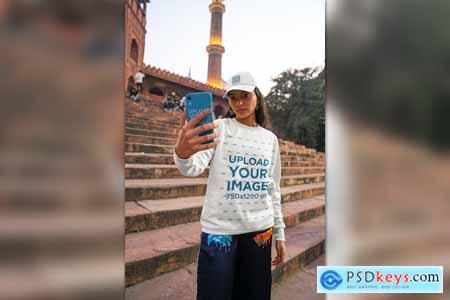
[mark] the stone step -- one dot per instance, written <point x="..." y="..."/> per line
<point x="161" y="115"/>
<point x="168" y="149"/>
<point x="150" y="254"/>
<point x="293" y="152"/>
<point x="152" y="122"/>
<point x="145" y="118"/>
<point x="300" y="150"/>
<point x="301" y="161"/>
<point x="300" y="282"/>
<point x="291" y="144"/>
<point x="284" y="150"/>
<point x="148" y="158"/>
<point x="286" y="146"/>
<point x="155" y="171"/>
<point x="173" y="118"/>
<point x="297" y="192"/>
<point x="155" y="158"/>
<point x="148" y="148"/>
<point x="291" y="180"/>
<point x="165" y="119"/>
<point x="150" y="189"/>
<point x="132" y="138"/>
<point x="159" y="119"/>
<point x="153" y="111"/>
<point x="301" y="164"/>
<point x="153" y="214"/>
<point x="150" y="133"/>
<point x="298" y="155"/>
<point x="286" y="171"/>
<point x="167" y="129"/>
<point x="296" y="147"/>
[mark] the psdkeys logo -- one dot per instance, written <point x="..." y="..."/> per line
<point x="379" y="279"/>
<point x="330" y="280"/>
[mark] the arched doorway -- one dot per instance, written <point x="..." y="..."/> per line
<point x="134" y="50"/>
<point x="156" y="91"/>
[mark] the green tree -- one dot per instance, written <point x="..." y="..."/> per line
<point x="297" y="107"/>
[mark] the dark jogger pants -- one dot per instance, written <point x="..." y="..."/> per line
<point x="234" y="267"/>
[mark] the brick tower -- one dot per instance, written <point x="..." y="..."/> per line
<point x="135" y="22"/>
<point x="215" y="48"/>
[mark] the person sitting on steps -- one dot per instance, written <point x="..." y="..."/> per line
<point x="168" y="103"/>
<point x="134" y="95"/>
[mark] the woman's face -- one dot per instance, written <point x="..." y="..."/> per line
<point x="242" y="103"/>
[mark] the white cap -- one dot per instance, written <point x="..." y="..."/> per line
<point x="242" y="81"/>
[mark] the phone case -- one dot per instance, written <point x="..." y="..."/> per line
<point x="195" y="104"/>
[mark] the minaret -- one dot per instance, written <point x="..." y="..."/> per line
<point x="215" y="48"/>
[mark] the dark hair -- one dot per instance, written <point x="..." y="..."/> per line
<point x="261" y="112"/>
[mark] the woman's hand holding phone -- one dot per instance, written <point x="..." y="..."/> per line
<point x="189" y="142"/>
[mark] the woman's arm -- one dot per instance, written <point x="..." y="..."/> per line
<point x="195" y="164"/>
<point x="275" y="193"/>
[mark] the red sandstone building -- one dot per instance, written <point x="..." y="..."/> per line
<point x="159" y="83"/>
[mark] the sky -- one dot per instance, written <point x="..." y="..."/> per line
<point x="260" y="36"/>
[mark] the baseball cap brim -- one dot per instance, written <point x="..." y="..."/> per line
<point x="243" y="87"/>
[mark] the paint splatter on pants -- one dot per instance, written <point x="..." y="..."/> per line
<point x="234" y="267"/>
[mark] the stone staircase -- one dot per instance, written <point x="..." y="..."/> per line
<point x="163" y="208"/>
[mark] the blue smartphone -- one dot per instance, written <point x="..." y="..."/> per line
<point x="195" y="104"/>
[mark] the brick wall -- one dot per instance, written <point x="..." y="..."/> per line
<point x="135" y="22"/>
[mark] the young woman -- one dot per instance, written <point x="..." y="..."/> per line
<point x="242" y="206"/>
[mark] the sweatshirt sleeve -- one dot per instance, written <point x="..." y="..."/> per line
<point x="275" y="193"/>
<point x="195" y="164"/>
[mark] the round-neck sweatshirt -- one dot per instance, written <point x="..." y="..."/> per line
<point x="243" y="192"/>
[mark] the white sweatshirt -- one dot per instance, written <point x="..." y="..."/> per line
<point x="243" y="192"/>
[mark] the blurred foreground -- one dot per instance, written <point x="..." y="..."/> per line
<point x="388" y="162"/>
<point x="61" y="166"/>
